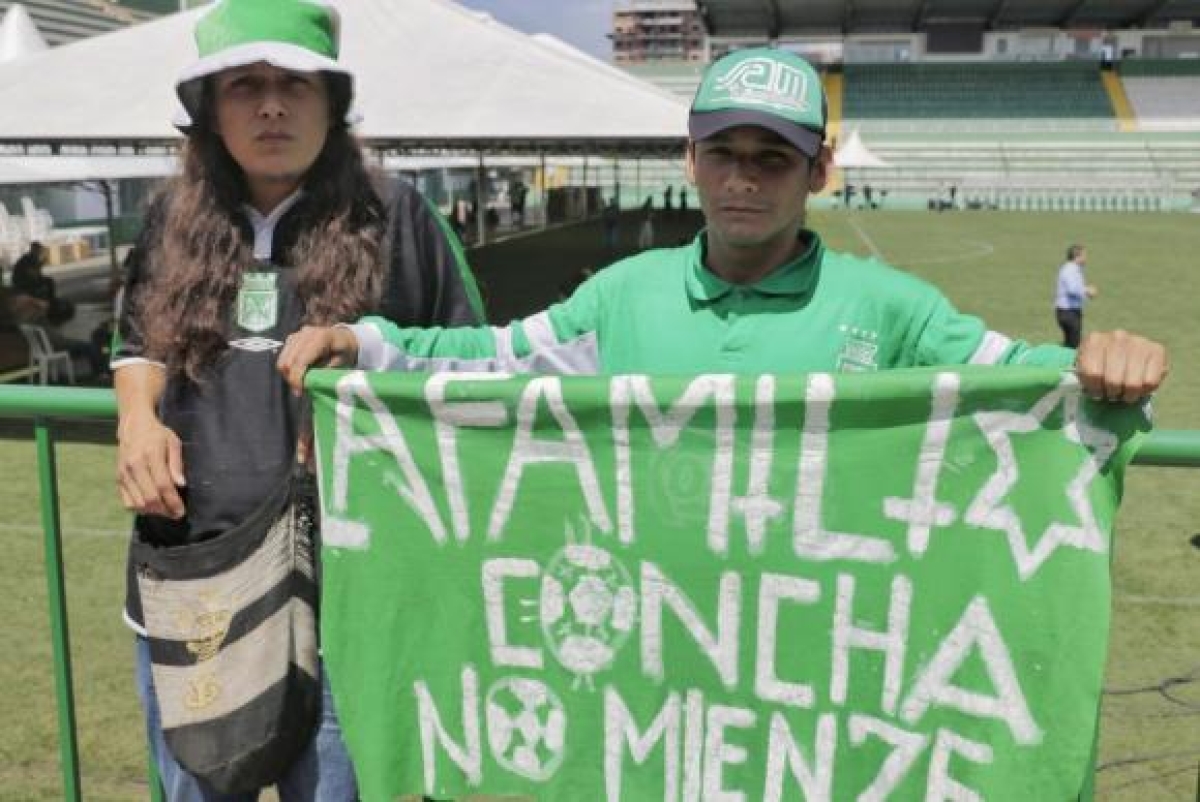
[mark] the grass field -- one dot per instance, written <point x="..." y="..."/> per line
<point x="1001" y="266"/>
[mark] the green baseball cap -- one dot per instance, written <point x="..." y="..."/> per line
<point x="300" y="35"/>
<point x="761" y="86"/>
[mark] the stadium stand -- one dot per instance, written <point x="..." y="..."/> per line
<point x="64" y="21"/>
<point x="1160" y="67"/>
<point x="1103" y="172"/>
<point x="1164" y="93"/>
<point x="1042" y="95"/>
<point x="1084" y="105"/>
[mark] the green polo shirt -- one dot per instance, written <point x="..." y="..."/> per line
<point x="664" y="312"/>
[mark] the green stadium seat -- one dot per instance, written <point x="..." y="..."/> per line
<point x="976" y="91"/>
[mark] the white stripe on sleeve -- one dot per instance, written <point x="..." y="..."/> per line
<point x="505" y="355"/>
<point x="374" y="353"/>
<point x="991" y="349"/>
<point x="539" y="330"/>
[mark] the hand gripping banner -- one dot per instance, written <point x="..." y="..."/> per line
<point x="821" y="587"/>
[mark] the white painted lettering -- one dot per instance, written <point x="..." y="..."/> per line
<point x="906" y="748"/>
<point x="621" y="730"/>
<point x="941" y="786"/>
<point x="772" y="589"/>
<point x="693" y="745"/>
<point x="923" y="511"/>
<point x="572" y="449"/>
<point x="757" y="506"/>
<point x="494" y="573"/>
<point x="784" y="754"/>
<point x="719" y="753"/>
<point x="449" y="416"/>
<point x="810" y="539"/>
<point x="354" y="391"/>
<point x="975" y="630"/>
<point x="721" y="649"/>
<point x="892" y="642"/>
<point x="665" y="429"/>
<point x="467" y="756"/>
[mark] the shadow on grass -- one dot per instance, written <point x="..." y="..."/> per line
<point x="523" y="275"/>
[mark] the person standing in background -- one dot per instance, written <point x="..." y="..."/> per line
<point x="1070" y="295"/>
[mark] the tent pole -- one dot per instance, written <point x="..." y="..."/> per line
<point x="480" y="211"/>
<point x="637" y="201"/>
<point x="114" y="278"/>
<point x="545" y="192"/>
<point x="617" y="180"/>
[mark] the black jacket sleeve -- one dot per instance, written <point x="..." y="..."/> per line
<point x="428" y="281"/>
<point x="127" y="337"/>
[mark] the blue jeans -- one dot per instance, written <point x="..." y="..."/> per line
<point x="322" y="774"/>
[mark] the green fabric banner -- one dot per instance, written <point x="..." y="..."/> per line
<point x="822" y="587"/>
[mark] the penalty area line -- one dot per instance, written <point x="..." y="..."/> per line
<point x="979" y="249"/>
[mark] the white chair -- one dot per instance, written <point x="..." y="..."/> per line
<point x="38" y="222"/>
<point x="13" y="241"/>
<point x="42" y="353"/>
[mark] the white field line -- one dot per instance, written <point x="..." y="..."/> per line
<point x="975" y="249"/>
<point x="862" y="235"/>
<point x="978" y="250"/>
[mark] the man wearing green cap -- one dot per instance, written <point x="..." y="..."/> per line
<point x="274" y="222"/>
<point x="755" y="292"/>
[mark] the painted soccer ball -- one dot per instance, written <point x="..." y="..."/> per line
<point x="588" y="608"/>
<point x="527" y="728"/>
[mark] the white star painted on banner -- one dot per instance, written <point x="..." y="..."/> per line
<point x="988" y="509"/>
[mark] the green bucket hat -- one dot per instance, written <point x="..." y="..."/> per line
<point x="761" y="86"/>
<point x="300" y="35"/>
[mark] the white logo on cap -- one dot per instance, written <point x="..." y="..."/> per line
<point x="768" y="82"/>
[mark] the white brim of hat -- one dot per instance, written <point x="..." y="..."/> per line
<point x="278" y="54"/>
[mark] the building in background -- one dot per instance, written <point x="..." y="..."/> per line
<point x="662" y="42"/>
<point x="61" y="22"/>
<point x="652" y="31"/>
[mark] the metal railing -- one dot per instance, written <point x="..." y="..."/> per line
<point x="44" y="406"/>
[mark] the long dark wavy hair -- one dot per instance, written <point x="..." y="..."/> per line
<point x="199" y="255"/>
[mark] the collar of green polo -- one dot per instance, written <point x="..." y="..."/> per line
<point x="792" y="278"/>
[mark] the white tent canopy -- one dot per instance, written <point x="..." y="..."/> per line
<point x="429" y="75"/>
<point x="558" y="45"/>
<point x="854" y="154"/>
<point x="19" y="36"/>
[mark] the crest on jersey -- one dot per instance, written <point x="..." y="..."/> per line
<point x="258" y="302"/>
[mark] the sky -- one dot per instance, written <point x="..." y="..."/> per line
<point x="582" y="23"/>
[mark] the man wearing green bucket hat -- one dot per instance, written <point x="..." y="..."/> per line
<point x="274" y="222"/>
<point x="756" y="291"/>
